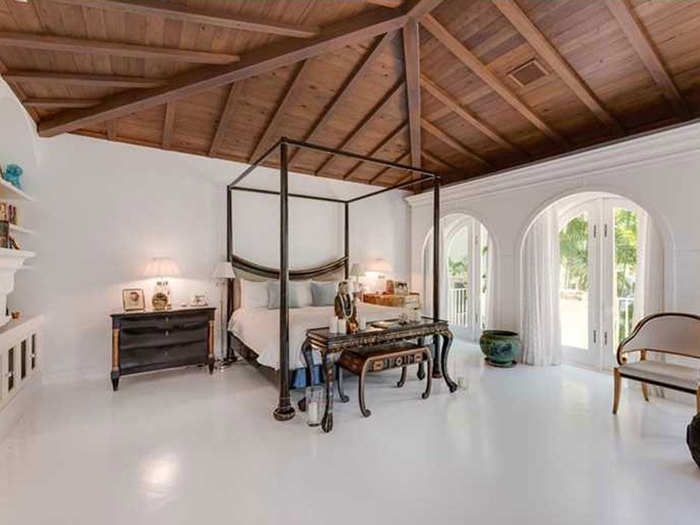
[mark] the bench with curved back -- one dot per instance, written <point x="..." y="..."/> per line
<point x="669" y="333"/>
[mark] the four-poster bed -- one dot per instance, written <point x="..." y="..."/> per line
<point x="284" y="410"/>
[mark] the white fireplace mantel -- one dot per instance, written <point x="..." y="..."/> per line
<point x="10" y="262"/>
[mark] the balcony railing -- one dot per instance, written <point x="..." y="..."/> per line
<point x="458" y="306"/>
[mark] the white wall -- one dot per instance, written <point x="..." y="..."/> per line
<point x="660" y="172"/>
<point x="105" y="209"/>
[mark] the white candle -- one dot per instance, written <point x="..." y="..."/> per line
<point x="342" y="326"/>
<point x="363" y="323"/>
<point x="312" y="413"/>
<point x="333" y="324"/>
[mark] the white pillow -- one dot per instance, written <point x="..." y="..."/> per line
<point x="303" y="289"/>
<point x="253" y="294"/>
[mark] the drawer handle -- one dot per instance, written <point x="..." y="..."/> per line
<point x="167" y="333"/>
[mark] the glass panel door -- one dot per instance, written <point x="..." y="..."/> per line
<point x="575" y="286"/>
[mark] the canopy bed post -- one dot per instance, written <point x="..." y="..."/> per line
<point x="347" y="240"/>
<point x="284" y="410"/>
<point x="437" y="369"/>
<point x="229" y="282"/>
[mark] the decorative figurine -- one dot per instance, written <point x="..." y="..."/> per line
<point x="12" y="174"/>
<point x="345" y="306"/>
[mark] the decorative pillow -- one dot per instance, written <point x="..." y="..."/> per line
<point x="304" y="290"/>
<point x="323" y="294"/>
<point x="253" y="294"/>
<point x="295" y="298"/>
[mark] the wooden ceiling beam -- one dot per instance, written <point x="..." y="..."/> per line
<point x="638" y="37"/>
<point x="225" y="118"/>
<point x="377" y="110"/>
<point x="417" y="9"/>
<point x="484" y="73"/>
<point x="341" y="98"/>
<point x="19" y="92"/>
<point x="181" y="13"/>
<point x="168" y="125"/>
<point x="120" y="49"/>
<point x="263" y="60"/>
<point x="452" y="142"/>
<point x="404" y="157"/>
<point x="386" y="3"/>
<point x="386" y="140"/>
<point x="77" y="79"/>
<point x="512" y="11"/>
<point x="271" y="132"/>
<point x="112" y="129"/>
<point x="52" y="103"/>
<point x="451" y="103"/>
<point x="411" y="55"/>
<point x="437" y="160"/>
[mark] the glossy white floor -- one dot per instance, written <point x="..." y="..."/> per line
<point x="525" y="445"/>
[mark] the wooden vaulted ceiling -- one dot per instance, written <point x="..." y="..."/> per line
<point x="424" y="82"/>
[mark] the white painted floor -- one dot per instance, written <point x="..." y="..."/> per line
<point x="524" y="445"/>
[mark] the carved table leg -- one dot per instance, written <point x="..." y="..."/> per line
<point x="341" y="392"/>
<point x="429" y="384"/>
<point x="421" y="368"/>
<point x="327" y="423"/>
<point x="116" y="371"/>
<point x="447" y="338"/>
<point x="361" y="390"/>
<point x="402" y="381"/>
<point x="437" y="362"/>
<point x="307" y="352"/>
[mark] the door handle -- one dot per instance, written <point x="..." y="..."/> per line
<point x="605" y="338"/>
<point x="595" y="336"/>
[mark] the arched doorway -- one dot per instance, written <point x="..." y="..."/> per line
<point x="607" y="266"/>
<point x="464" y="274"/>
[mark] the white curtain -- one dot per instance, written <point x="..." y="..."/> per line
<point x="540" y="326"/>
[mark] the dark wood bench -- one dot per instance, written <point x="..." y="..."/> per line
<point x="380" y="358"/>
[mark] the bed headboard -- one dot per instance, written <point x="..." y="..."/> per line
<point x="332" y="271"/>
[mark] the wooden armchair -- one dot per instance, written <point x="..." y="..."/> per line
<point x="663" y="333"/>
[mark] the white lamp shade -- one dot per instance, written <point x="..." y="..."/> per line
<point x="224" y="270"/>
<point x="356" y="270"/>
<point x="380" y="266"/>
<point x="162" y="267"/>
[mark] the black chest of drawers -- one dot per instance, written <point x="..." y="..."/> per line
<point x="147" y="341"/>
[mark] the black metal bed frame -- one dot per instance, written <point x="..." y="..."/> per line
<point x="285" y="410"/>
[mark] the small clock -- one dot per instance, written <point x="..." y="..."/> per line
<point x="159" y="301"/>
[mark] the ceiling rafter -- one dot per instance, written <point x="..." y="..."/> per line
<point x="386" y="3"/>
<point x="484" y="73"/>
<point x="386" y="140"/>
<point x="168" y="125"/>
<point x="78" y="79"/>
<point x="52" y="103"/>
<point x="411" y="54"/>
<point x="454" y="106"/>
<point x="263" y="60"/>
<point x="437" y="160"/>
<point x="638" y="37"/>
<point x="373" y="113"/>
<point x="271" y="132"/>
<point x="18" y="91"/>
<point x="453" y="143"/>
<point x="512" y="11"/>
<point x="344" y="93"/>
<point x="225" y="118"/>
<point x="102" y="47"/>
<point x="112" y="129"/>
<point x="404" y="157"/>
<point x="181" y="13"/>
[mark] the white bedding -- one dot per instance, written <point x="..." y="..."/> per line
<point x="258" y="328"/>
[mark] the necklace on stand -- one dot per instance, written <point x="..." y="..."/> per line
<point x="346" y="305"/>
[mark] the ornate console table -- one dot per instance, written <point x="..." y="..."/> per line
<point x="328" y="343"/>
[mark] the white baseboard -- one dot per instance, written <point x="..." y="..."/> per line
<point x="19" y="405"/>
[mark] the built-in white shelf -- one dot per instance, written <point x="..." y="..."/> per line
<point x="8" y="191"/>
<point x="21" y="229"/>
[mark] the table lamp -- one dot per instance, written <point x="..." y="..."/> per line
<point x="162" y="268"/>
<point x="223" y="273"/>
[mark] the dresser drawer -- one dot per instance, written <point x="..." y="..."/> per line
<point x="164" y="321"/>
<point x="163" y="357"/>
<point x="149" y="337"/>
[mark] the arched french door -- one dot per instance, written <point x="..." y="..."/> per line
<point x="602" y="250"/>
<point x="464" y="274"/>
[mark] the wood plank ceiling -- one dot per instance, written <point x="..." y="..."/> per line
<point x="465" y="87"/>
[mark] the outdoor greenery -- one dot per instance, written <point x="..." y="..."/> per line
<point x="573" y="251"/>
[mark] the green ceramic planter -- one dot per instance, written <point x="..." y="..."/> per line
<point x="501" y="347"/>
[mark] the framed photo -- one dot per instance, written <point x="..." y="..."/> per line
<point x="133" y="300"/>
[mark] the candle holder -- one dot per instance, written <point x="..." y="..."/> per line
<point x="315" y="405"/>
